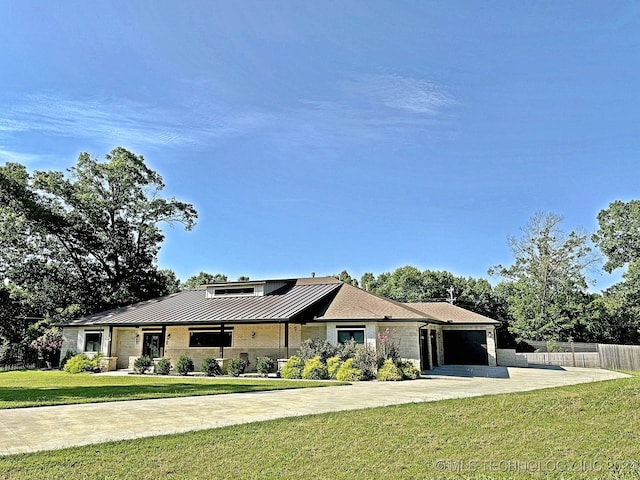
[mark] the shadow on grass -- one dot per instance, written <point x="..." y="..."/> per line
<point x="13" y="397"/>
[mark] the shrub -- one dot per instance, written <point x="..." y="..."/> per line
<point x="348" y="372"/>
<point x="408" y="370"/>
<point x="210" y="367"/>
<point x="333" y="364"/>
<point x="81" y="363"/>
<point x="389" y="372"/>
<point x="184" y="365"/>
<point x="236" y="367"/>
<point x="347" y="350"/>
<point x="142" y="364"/>
<point x="367" y="361"/>
<point x="293" y="368"/>
<point x="163" y="367"/>
<point x="316" y="347"/>
<point x="315" y="369"/>
<point x="265" y="365"/>
<point x="68" y="354"/>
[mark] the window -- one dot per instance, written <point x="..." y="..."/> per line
<point x="210" y="339"/>
<point x="234" y="291"/>
<point x="92" y="341"/>
<point x="345" y="336"/>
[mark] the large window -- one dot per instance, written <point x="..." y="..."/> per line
<point x="92" y="341"/>
<point x="210" y="339"/>
<point x="357" y="335"/>
<point x="234" y="291"/>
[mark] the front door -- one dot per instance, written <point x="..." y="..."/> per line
<point x="152" y="344"/>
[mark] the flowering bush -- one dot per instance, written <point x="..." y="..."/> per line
<point x="48" y="344"/>
<point x="387" y="346"/>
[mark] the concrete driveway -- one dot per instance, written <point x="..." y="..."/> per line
<point x="49" y="428"/>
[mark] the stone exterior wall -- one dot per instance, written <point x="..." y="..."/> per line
<point x="69" y="340"/>
<point x="507" y="357"/>
<point x="406" y="336"/>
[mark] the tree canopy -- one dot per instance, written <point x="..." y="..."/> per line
<point x="547" y="283"/>
<point x="203" y="278"/>
<point x="86" y="239"/>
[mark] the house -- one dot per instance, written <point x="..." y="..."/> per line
<point x="273" y="317"/>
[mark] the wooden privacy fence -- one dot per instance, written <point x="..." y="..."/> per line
<point x="619" y="357"/>
<point x="598" y="355"/>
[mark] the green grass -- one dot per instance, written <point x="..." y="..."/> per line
<point x="595" y="425"/>
<point x="37" y="388"/>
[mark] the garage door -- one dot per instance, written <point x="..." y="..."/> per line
<point x="465" y="347"/>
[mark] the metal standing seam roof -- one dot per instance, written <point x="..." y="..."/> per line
<point x="192" y="307"/>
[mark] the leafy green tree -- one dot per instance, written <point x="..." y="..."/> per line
<point x="344" y="276"/>
<point x="203" y="278"/>
<point x="171" y="282"/>
<point x="618" y="237"/>
<point x="618" y="234"/>
<point x="86" y="240"/>
<point x="547" y="293"/>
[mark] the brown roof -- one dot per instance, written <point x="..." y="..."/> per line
<point x="352" y="303"/>
<point x="192" y="307"/>
<point x="302" y="299"/>
<point x="446" y="312"/>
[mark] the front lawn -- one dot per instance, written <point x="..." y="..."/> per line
<point x="580" y="431"/>
<point x="31" y="388"/>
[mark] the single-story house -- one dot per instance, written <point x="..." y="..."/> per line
<point x="273" y="317"/>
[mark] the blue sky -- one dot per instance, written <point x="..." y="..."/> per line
<point x="320" y="136"/>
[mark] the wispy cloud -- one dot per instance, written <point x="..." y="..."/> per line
<point x="116" y="120"/>
<point x="401" y="93"/>
<point x="370" y="110"/>
<point x="364" y="110"/>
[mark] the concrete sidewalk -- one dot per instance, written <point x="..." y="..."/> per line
<point x="49" y="428"/>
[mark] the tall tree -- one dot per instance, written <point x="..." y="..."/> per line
<point x="548" y="284"/>
<point x="618" y="237"/>
<point x="88" y="238"/>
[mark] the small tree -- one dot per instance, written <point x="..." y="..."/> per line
<point x="210" y="367"/>
<point x="142" y="364"/>
<point x="265" y="365"/>
<point x="184" y="365"/>
<point x="163" y="367"/>
<point x="236" y="367"/>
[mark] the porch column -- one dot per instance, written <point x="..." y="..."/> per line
<point x="222" y="344"/>
<point x="286" y="337"/>
<point x="110" y="340"/>
<point x="164" y="340"/>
